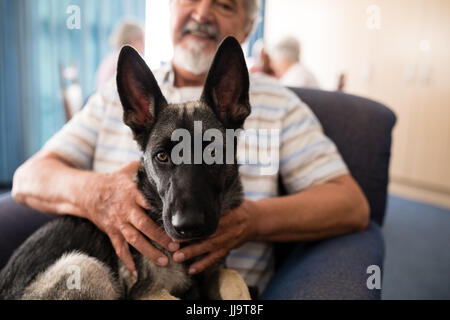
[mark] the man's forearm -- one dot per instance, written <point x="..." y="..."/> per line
<point x="48" y="184"/>
<point x="334" y="208"/>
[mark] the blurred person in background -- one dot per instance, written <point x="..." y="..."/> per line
<point x="285" y="62"/>
<point x="125" y="33"/>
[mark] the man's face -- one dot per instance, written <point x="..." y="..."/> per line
<point x="198" y="26"/>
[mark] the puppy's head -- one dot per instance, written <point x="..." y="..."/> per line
<point x="185" y="145"/>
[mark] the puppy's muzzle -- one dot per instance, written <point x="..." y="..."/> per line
<point x="190" y="225"/>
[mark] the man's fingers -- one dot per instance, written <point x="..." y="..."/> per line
<point x="198" y="249"/>
<point x="143" y="223"/>
<point x="140" y="200"/>
<point x="204" y="263"/>
<point x="123" y="252"/>
<point x="192" y="251"/>
<point x="137" y="240"/>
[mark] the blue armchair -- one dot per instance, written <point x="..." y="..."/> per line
<point x="337" y="268"/>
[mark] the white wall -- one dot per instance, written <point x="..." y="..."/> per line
<point x="158" y="44"/>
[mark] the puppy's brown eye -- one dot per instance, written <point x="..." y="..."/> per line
<point x="162" y="157"/>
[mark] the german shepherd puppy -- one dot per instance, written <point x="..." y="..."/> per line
<point x="70" y="258"/>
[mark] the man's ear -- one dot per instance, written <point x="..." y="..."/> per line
<point x="139" y="93"/>
<point x="227" y="84"/>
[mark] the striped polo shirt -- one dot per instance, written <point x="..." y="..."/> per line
<point x="281" y="130"/>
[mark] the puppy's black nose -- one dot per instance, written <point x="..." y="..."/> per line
<point x="189" y="225"/>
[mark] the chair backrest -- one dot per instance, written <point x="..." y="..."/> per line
<point x="361" y="130"/>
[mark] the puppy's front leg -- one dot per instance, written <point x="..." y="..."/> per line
<point x="227" y="284"/>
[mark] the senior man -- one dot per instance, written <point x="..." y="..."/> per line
<point x="87" y="170"/>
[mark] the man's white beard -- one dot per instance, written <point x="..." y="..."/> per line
<point x="193" y="58"/>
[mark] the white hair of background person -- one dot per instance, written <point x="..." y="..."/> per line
<point x="286" y="53"/>
<point x="287" y="49"/>
<point x="126" y="32"/>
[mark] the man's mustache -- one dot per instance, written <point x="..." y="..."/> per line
<point x="192" y="26"/>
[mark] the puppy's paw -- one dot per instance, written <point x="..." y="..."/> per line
<point x="232" y="286"/>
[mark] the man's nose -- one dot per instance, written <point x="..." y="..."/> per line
<point x="203" y="11"/>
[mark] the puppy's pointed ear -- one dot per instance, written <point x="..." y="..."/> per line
<point x="227" y="84"/>
<point x="139" y="93"/>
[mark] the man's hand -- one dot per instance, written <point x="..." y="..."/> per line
<point x="235" y="228"/>
<point x="115" y="205"/>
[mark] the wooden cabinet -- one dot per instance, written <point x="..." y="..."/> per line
<point x="421" y="99"/>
